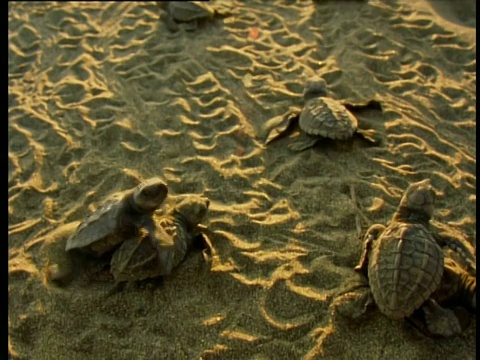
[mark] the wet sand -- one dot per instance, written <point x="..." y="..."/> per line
<point x="102" y="96"/>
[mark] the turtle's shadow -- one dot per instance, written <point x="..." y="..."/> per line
<point x="343" y="146"/>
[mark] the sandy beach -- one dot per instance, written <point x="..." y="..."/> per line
<point x="102" y="96"/>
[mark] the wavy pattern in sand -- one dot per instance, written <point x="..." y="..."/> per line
<point x="101" y="95"/>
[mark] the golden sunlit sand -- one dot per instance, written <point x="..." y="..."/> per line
<point x="102" y="96"/>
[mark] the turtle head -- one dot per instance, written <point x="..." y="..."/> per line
<point x="316" y="87"/>
<point x="149" y="195"/>
<point x="193" y="209"/>
<point x="418" y="200"/>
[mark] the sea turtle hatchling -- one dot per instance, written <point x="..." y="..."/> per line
<point x="120" y="215"/>
<point x="323" y="117"/>
<point x="161" y="246"/>
<point x="186" y="14"/>
<point x="404" y="264"/>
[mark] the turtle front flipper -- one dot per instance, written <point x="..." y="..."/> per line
<point x="371" y="235"/>
<point x="353" y="302"/>
<point x="59" y="266"/>
<point x="370" y="136"/>
<point x="146" y="255"/>
<point x="303" y="142"/>
<point x="280" y="126"/>
<point x="187" y="216"/>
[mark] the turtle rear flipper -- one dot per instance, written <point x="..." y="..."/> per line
<point x="369" y="135"/>
<point x="370" y="236"/>
<point x="369" y="105"/>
